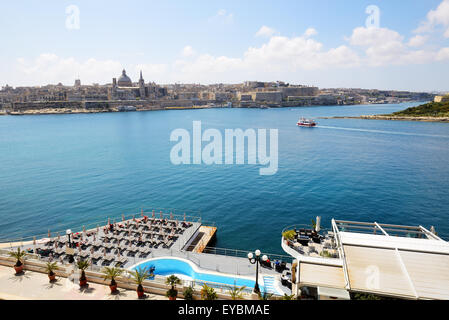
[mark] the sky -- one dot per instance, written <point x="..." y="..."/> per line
<point x="383" y="44"/>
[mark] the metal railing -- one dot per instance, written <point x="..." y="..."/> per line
<point x="325" y="254"/>
<point x="242" y="253"/>
<point x="114" y="218"/>
<point x="304" y="226"/>
<point x="97" y="273"/>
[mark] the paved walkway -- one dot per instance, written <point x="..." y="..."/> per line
<point x="35" y="286"/>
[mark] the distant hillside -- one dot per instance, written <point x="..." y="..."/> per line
<point x="433" y="109"/>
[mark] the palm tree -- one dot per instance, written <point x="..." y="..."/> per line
<point x="19" y="255"/>
<point x="188" y="293"/>
<point x="265" y="296"/>
<point x="235" y="292"/>
<point x="313" y="224"/>
<point x="112" y="273"/>
<point x="208" y="293"/>
<point x="139" y="276"/>
<point x="50" y="268"/>
<point x="288" y="297"/>
<point x="172" y="281"/>
<point x="83" y="265"/>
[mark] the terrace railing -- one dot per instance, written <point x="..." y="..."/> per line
<point x="242" y="253"/>
<point x="166" y="214"/>
<point x="96" y="275"/>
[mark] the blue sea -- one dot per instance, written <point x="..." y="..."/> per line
<point x="65" y="171"/>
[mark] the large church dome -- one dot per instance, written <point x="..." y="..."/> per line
<point x="124" y="80"/>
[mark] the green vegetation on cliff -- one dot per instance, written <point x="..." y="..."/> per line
<point x="432" y="109"/>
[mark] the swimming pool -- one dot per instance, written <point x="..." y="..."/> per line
<point x="169" y="266"/>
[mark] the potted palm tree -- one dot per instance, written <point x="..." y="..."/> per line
<point x="188" y="293"/>
<point x="265" y="296"/>
<point x="289" y="235"/>
<point x="208" y="293"/>
<point x="83" y="265"/>
<point x="288" y="297"/>
<point x="139" y="276"/>
<point x="235" y="292"/>
<point x="172" y="281"/>
<point x="50" y="268"/>
<point x="112" y="273"/>
<point x="19" y="255"/>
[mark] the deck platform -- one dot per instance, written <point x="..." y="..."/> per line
<point x="207" y="235"/>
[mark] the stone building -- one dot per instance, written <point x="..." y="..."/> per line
<point x="300" y="91"/>
<point x="444" y="98"/>
<point x="124" y="89"/>
<point x="272" y="96"/>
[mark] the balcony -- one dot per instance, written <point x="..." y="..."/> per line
<point x="300" y="240"/>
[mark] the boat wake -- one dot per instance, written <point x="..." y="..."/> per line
<point x="386" y="132"/>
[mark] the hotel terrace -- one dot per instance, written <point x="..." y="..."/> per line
<point x="401" y="262"/>
<point x="153" y="237"/>
<point x="404" y="262"/>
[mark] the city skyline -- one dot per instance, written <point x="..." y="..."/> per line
<point x="330" y="45"/>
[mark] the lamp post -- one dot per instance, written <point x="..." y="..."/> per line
<point x="255" y="259"/>
<point x="69" y="233"/>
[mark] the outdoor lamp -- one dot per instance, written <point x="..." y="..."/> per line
<point x="68" y="233"/>
<point x="255" y="259"/>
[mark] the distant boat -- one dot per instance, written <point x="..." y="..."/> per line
<point x="126" y="108"/>
<point x="264" y="107"/>
<point x="306" y="123"/>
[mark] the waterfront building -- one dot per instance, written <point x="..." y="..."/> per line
<point x="124" y="89"/>
<point x="444" y="98"/>
<point x="396" y="261"/>
<point x="124" y="80"/>
<point x="274" y="96"/>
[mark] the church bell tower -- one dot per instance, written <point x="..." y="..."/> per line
<point x="142" y="86"/>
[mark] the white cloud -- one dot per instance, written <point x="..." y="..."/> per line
<point x="417" y="41"/>
<point x="265" y="31"/>
<point x="151" y="72"/>
<point x="188" y="51"/>
<point x="369" y="37"/>
<point x="280" y="57"/>
<point x="283" y="53"/>
<point x="443" y="54"/>
<point x="383" y="46"/>
<point x="310" y="32"/>
<point x="222" y="16"/>
<point x="437" y="17"/>
<point x="48" y="68"/>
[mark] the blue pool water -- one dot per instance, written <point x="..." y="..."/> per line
<point x="59" y="171"/>
<point x="167" y="267"/>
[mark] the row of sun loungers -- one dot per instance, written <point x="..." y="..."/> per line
<point x="116" y="246"/>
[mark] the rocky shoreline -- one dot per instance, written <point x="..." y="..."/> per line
<point x="394" y="118"/>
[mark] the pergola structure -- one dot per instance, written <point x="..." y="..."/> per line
<point x="408" y="262"/>
<point x="393" y="260"/>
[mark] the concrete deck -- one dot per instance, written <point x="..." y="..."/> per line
<point x="35" y="286"/>
<point x="208" y="234"/>
<point x="231" y="265"/>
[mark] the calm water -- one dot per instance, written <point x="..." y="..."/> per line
<point x="62" y="171"/>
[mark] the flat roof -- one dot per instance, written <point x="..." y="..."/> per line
<point x="321" y="275"/>
<point x="333" y="293"/>
<point x="413" y="263"/>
